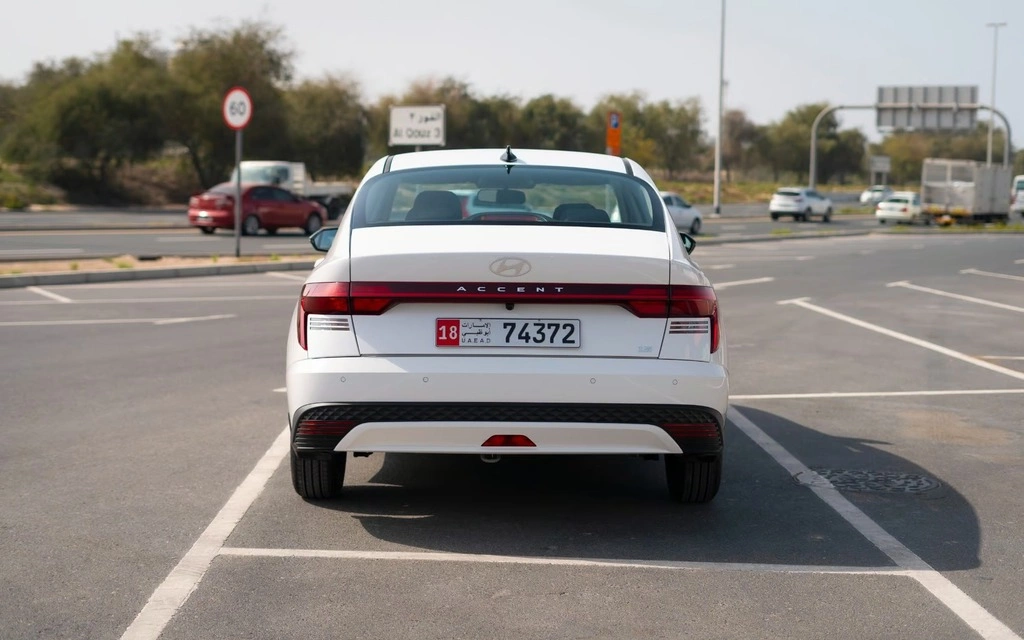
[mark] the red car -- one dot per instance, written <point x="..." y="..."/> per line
<point x="263" y="207"/>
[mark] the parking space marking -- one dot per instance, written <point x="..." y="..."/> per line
<point x="1021" y="261"/>
<point x="990" y="274"/>
<point x="718" y="266"/>
<point x="286" y="276"/>
<point x="280" y="389"/>
<point x="1002" y="357"/>
<point x="49" y="294"/>
<point x="802" y="302"/>
<point x="874" y="394"/>
<point x="154" y="321"/>
<point x="21" y="303"/>
<point x="431" y="556"/>
<point x="956" y="296"/>
<point x="736" y="283"/>
<point x="180" y="239"/>
<point x="183" y="579"/>
<point x="954" y="599"/>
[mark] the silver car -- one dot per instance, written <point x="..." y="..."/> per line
<point x="687" y="217"/>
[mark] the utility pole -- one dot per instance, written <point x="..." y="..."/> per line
<point x="721" y="128"/>
<point x="992" y="116"/>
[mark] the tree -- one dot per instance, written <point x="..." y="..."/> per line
<point x="327" y="124"/>
<point x="739" y="139"/>
<point x="549" y="122"/>
<point x="206" y="65"/>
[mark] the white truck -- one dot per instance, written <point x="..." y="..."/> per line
<point x="965" y="190"/>
<point x="293" y="176"/>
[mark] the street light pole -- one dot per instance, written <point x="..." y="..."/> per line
<point x="992" y="116"/>
<point x="718" y="138"/>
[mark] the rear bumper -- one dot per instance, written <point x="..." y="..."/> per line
<point x="897" y="216"/>
<point x="208" y="218"/>
<point x="453" y="404"/>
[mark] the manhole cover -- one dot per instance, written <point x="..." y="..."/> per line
<point x="873" y="481"/>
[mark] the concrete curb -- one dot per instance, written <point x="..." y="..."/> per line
<point x="789" y="236"/>
<point x="82" y="277"/>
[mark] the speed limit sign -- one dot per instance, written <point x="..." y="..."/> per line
<point x="237" y="108"/>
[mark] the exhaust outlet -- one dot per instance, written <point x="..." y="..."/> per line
<point x="490" y="458"/>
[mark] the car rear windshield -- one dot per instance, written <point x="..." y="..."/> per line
<point x="898" y="200"/>
<point x="787" y="192"/>
<point x="508" y="195"/>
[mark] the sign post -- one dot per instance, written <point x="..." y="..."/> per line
<point x="613" y="134"/>
<point x="237" y="111"/>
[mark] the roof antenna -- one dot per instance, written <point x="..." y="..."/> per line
<point x="508" y="156"/>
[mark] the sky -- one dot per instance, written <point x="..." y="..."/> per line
<point x="778" y="53"/>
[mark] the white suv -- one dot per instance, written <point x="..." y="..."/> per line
<point x="801" y="203"/>
<point x="580" y="327"/>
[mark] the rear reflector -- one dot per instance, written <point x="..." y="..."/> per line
<point x="508" y="441"/>
<point x="324" y="427"/>
<point x="698" y="430"/>
<point x="375" y="298"/>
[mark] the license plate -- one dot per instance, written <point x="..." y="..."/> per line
<point x="545" y="333"/>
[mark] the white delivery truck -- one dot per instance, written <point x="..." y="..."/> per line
<point x="965" y="190"/>
<point x="293" y="176"/>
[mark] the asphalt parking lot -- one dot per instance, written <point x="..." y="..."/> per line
<point x="871" y="488"/>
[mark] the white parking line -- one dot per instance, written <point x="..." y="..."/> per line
<point x="802" y="302"/>
<point x="21" y="303"/>
<point x="286" y="276"/>
<point x="280" y="389"/>
<point x="429" y="556"/>
<point x="736" y="283"/>
<point x="1021" y="261"/>
<point x="154" y="321"/>
<point x="873" y="394"/>
<point x="187" y="239"/>
<point x="186" y="575"/>
<point x="990" y="274"/>
<point x="1002" y="357"/>
<point x="956" y="296"/>
<point x="718" y="266"/>
<point x="973" y="614"/>
<point x="49" y="294"/>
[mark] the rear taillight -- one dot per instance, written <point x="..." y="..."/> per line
<point x="374" y="298"/>
<point x="503" y="440"/>
<point x="324" y="298"/>
<point x="904" y="210"/>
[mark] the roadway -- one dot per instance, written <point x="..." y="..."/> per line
<point x="81" y="244"/>
<point x="144" y="475"/>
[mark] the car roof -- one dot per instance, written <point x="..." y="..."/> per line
<point x="540" y="157"/>
<point x="792" y="189"/>
<point x="903" y="194"/>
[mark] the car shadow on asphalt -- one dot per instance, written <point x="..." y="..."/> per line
<point x="618" y="507"/>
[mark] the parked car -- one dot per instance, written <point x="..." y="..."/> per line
<point x="875" y="194"/>
<point x="686" y="216"/>
<point x="263" y="207"/>
<point x="801" y="203"/>
<point x="1017" y="196"/>
<point x="901" y="206"/>
<point x="578" y="331"/>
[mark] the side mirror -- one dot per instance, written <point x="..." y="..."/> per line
<point x="688" y="242"/>
<point x="323" y="238"/>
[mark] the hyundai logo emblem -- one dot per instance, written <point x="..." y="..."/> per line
<point x="510" y="267"/>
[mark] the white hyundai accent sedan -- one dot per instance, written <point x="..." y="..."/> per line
<point x="578" y="326"/>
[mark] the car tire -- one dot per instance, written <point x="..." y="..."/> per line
<point x="693" y="479"/>
<point x="695" y="227"/>
<point x="250" y="226"/>
<point x="828" y="216"/>
<point x="881" y="221"/>
<point x="316" y="478"/>
<point x="313" y="224"/>
<point x="207" y="230"/>
<point x="807" y="215"/>
<point x="774" y="216"/>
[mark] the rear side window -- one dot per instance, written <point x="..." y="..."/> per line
<point x="496" y="195"/>
<point x="897" y="200"/>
